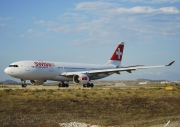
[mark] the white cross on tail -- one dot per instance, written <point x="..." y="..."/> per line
<point x="118" y="53"/>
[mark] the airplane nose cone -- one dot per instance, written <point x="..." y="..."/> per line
<point x="7" y="71"/>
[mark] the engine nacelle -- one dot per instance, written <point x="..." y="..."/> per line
<point x="80" y="79"/>
<point x="37" y="82"/>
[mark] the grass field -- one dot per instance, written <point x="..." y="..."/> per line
<point x="106" y="107"/>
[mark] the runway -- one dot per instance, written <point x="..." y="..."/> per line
<point x="74" y="86"/>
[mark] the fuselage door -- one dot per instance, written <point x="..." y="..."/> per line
<point x="27" y="68"/>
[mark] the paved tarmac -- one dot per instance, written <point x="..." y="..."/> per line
<point x="73" y="86"/>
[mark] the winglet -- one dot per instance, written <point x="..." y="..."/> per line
<point x="170" y="63"/>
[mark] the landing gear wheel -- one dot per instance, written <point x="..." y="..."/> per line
<point x="92" y="85"/>
<point x="67" y="85"/>
<point x="24" y="85"/>
<point x="88" y="84"/>
<point x="84" y="85"/>
<point x="63" y="85"/>
<point x="60" y="85"/>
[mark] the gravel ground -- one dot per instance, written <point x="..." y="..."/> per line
<point x="76" y="124"/>
<point x="171" y="124"/>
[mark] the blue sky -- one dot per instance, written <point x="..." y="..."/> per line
<point x="88" y="32"/>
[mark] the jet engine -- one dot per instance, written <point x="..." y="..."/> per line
<point x="37" y="82"/>
<point x="80" y="79"/>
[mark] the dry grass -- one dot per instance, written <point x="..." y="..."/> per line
<point x="106" y="107"/>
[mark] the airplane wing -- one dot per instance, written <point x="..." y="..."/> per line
<point x="115" y="70"/>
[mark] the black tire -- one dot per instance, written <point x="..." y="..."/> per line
<point x="92" y="85"/>
<point x="88" y="84"/>
<point x="67" y="85"/>
<point x="84" y="85"/>
<point x="63" y="85"/>
<point x="24" y="85"/>
<point x="60" y="85"/>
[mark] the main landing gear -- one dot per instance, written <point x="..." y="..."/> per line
<point x="23" y="83"/>
<point x="63" y="84"/>
<point x="88" y="85"/>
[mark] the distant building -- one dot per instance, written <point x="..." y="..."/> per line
<point x="165" y="82"/>
<point x="177" y="81"/>
<point x="145" y="82"/>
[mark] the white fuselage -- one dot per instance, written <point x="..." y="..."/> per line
<point x="40" y="71"/>
<point x="46" y="70"/>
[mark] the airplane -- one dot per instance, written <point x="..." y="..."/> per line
<point x="39" y="72"/>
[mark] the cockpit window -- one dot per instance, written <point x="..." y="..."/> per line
<point x="13" y="65"/>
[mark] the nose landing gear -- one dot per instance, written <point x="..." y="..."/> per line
<point x="23" y="83"/>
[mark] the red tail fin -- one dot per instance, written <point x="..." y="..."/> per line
<point x="117" y="55"/>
